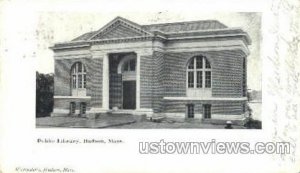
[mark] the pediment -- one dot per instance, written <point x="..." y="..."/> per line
<point x="120" y="28"/>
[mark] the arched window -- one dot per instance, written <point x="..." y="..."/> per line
<point x="199" y="73"/>
<point x="78" y="74"/>
<point x="129" y="65"/>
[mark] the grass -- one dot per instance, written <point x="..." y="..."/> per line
<point x="124" y="122"/>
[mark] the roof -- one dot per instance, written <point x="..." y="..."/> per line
<point x="169" y="27"/>
<point x="185" y="26"/>
<point x="85" y="36"/>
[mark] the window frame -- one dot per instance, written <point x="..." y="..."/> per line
<point x="202" y="69"/>
<point x="72" y="108"/>
<point x="190" y="108"/>
<point x="78" y="76"/>
<point x="207" y="111"/>
<point x="128" y="65"/>
<point x="83" y="107"/>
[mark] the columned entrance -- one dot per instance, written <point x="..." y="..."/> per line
<point x="122" y="81"/>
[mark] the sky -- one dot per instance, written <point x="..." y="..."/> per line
<point x="53" y="27"/>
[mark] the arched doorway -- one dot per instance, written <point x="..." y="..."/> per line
<point x="128" y="71"/>
<point x="122" y="82"/>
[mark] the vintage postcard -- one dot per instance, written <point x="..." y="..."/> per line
<point x="182" y="74"/>
<point x="153" y="86"/>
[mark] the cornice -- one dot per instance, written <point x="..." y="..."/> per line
<point x="158" y="36"/>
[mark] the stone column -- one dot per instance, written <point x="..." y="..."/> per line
<point x="138" y="75"/>
<point x="105" y="83"/>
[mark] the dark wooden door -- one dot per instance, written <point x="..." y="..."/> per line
<point x="129" y="94"/>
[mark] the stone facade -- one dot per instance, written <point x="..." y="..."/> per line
<point x="158" y="72"/>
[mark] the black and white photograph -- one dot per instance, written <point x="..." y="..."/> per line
<point x="181" y="73"/>
<point x="129" y="86"/>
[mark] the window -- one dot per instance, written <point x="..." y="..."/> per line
<point x="78" y="76"/>
<point x="82" y="108"/>
<point x="74" y="81"/>
<point x="72" y="107"/>
<point x="207" y="110"/>
<point x="199" y="79"/>
<point x="191" y="65"/>
<point x="199" y="63"/>
<point x="199" y="73"/>
<point x="79" y="81"/>
<point x="190" y="110"/>
<point x="129" y="65"/>
<point x="207" y="79"/>
<point x="191" y="79"/>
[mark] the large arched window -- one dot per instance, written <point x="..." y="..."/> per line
<point x="129" y="65"/>
<point x="78" y="75"/>
<point x="199" y="73"/>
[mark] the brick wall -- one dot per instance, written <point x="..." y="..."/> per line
<point x="162" y="75"/>
<point x="217" y="107"/>
<point x="169" y="70"/>
<point x="146" y="83"/>
<point x="62" y="78"/>
<point x="95" y="88"/>
<point x="226" y="73"/>
<point x="158" y="82"/>
<point x="175" y="74"/>
<point x="65" y="103"/>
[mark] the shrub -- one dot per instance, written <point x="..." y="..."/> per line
<point x="44" y="94"/>
<point x="252" y="124"/>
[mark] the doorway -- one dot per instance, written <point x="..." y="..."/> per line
<point x="129" y="94"/>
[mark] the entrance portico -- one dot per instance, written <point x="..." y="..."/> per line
<point x="121" y="82"/>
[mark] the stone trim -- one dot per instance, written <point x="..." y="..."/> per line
<point x="72" y="97"/>
<point x="60" y="111"/>
<point x="117" y="21"/>
<point x="97" y="110"/>
<point x="206" y="99"/>
<point x="171" y="36"/>
<point x="69" y="45"/>
<point x="200" y="116"/>
<point x="138" y="81"/>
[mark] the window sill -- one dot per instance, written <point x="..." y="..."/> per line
<point x="207" y="98"/>
<point x="72" y="97"/>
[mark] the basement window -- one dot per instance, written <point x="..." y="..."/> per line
<point x="207" y="111"/>
<point x="82" y="108"/>
<point x="72" y="107"/>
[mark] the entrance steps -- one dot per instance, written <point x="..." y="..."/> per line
<point x="127" y="113"/>
<point x="157" y="117"/>
<point x="122" y="111"/>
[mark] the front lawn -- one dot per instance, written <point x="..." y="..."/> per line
<point x="125" y="122"/>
